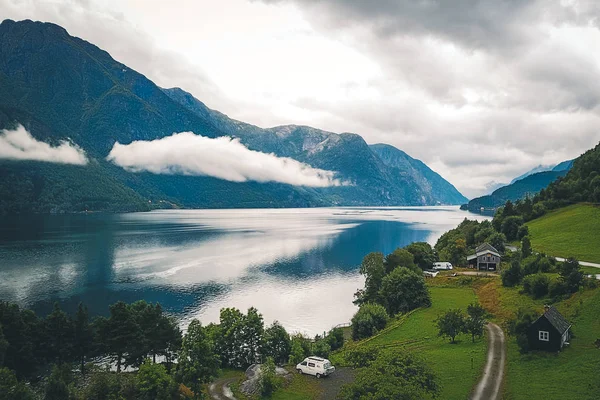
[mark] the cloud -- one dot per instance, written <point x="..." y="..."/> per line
<point x="225" y="158"/>
<point x="18" y="144"/>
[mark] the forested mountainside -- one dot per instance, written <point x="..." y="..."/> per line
<point x="61" y="87"/>
<point x="528" y="186"/>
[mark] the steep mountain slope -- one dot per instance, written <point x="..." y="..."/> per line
<point x="405" y="165"/>
<point x="59" y="87"/>
<point x="528" y="186"/>
<point x="377" y="171"/>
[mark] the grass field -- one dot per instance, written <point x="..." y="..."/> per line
<point x="572" y="231"/>
<point x="458" y="366"/>
<point x="572" y="374"/>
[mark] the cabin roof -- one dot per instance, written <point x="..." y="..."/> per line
<point x="556" y="320"/>
<point x="484" y="249"/>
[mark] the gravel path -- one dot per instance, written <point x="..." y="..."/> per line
<point x="490" y="384"/>
<point x="219" y="389"/>
<point x="332" y="384"/>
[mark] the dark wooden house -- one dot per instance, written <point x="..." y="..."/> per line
<point x="549" y="332"/>
<point x="486" y="258"/>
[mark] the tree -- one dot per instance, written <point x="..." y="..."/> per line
<point x="198" y="363"/>
<point x="373" y="269"/>
<point x="571" y="275"/>
<point x="11" y="388"/>
<point x="119" y="335"/>
<point x="451" y="324"/>
<point x="335" y="338"/>
<point x="510" y="227"/>
<point x="58" y="330"/>
<point x="254" y="329"/>
<point x="497" y="240"/>
<point x="457" y="252"/>
<point x="154" y="382"/>
<point x="83" y="335"/>
<point x="320" y="347"/>
<point x="403" y="290"/>
<point x="3" y="346"/>
<point x="57" y="387"/>
<point x="22" y="331"/>
<point x="297" y="353"/>
<point x="526" y="247"/>
<point x="512" y="276"/>
<point x="230" y="342"/>
<point x="277" y="343"/>
<point x="392" y="375"/>
<point x="475" y="321"/>
<point x="399" y="258"/>
<point x="523" y="231"/>
<point x="369" y="319"/>
<point x="423" y="254"/>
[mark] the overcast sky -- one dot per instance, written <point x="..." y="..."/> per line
<point x="481" y="91"/>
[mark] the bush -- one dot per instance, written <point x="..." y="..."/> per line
<point x="558" y="289"/>
<point x="359" y="357"/>
<point x="269" y="382"/>
<point x="368" y="320"/>
<point x="536" y="285"/>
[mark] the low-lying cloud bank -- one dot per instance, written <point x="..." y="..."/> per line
<point x="225" y="158"/>
<point x="18" y="144"/>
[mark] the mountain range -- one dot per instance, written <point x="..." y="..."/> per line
<point x="60" y="87"/>
<point x="527" y="184"/>
<point x="563" y="166"/>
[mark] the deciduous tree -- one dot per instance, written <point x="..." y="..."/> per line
<point x="451" y="324"/>
<point x="403" y="290"/>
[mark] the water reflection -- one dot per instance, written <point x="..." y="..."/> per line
<point x="297" y="266"/>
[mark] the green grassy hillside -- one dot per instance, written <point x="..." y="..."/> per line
<point x="572" y="231"/>
<point x="458" y="366"/>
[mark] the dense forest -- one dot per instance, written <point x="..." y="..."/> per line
<point x="75" y="357"/>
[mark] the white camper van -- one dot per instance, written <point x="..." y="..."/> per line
<point x="442" y="266"/>
<point x="316" y="366"/>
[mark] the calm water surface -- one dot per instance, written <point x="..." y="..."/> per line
<point x="298" y="266"/>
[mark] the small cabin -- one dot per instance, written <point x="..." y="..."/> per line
<point x="486" y="258"/>
<point x="550" y="332"/>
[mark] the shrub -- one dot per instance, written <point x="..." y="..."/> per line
<point x="557" y="289"/>
<point x="269" y="382"/>
<point x="536" y="285"/>
<point x="362" y="356"/>
<point x="368" y="320"/>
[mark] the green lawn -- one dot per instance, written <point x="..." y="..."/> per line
<point x="458" y="366"/>
<point x="572" y="231"/>
<point x="571" y="374"/>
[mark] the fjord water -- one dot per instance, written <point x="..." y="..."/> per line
<point x="298" y="266"/>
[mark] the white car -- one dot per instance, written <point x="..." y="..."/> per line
<point x="442" y="266"/>
<point x="316" y="366"/>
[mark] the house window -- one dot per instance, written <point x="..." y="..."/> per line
<point x="545" y="336"/>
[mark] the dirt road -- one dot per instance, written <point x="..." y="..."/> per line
<point x="219" y="390"/>
<point x="490" y="384"/>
